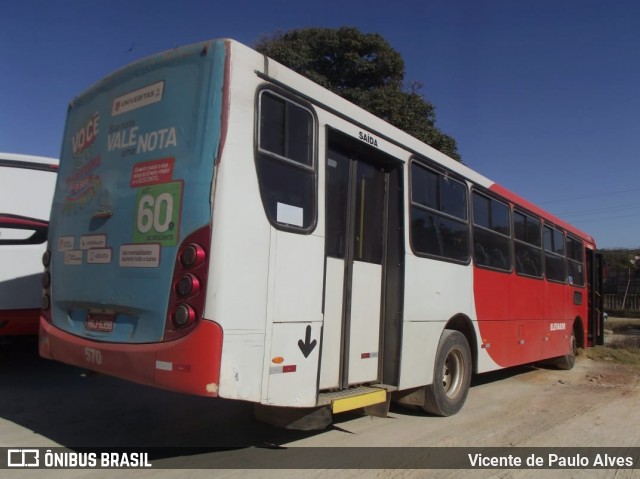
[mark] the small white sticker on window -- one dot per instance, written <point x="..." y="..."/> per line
<point x="290" y="215"/>
<point x="93" y="241"/>
<point x="73" y="257"/>
<point x="99" y="256"/>
<point x="332" y="163"/>
<point x="65" y="243"/>
<point x="140" y="255"/>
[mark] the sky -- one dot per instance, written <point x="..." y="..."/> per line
<point x="542" y="96"/>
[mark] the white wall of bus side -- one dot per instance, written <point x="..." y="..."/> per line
<point x="239" y="262"/>
<point x="265" y="285"/>
<point x="435" y="292"/>
<point x="260" y="313"/>
<point x="420" y="335"/>
<point x="294" y="303"/>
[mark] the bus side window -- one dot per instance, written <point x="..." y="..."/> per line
<point x="285" y="162"/>
<point x="527" y="244"/>
<point x="554" y="255"/>
<point x="575" y="261"/>
<point x="491" y="233"/>
<point x="439" y="224"/>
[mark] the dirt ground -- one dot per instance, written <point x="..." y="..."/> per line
<point x="45" y="404"/>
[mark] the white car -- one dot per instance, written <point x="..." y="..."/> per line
<point x="26" y="191"/>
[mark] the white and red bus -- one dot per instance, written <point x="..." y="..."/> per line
<point x="224" y="227"/>
<point x="26" y="190"/>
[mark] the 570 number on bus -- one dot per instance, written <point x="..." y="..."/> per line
<point x="93" y="356"/>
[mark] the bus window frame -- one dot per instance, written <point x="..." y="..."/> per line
<point x="440" y="171"/>
<point x="581" y="248"/>
<point x="492" y="197"/>
<point x="311" y="169"/>
<point x="518" y="210"/>
<point x="546" y="252"/>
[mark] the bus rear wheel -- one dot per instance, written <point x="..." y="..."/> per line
<point x="567" y="361"/>
<point x="451" y="375"/>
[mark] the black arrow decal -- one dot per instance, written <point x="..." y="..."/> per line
<point x="307" y="345"/>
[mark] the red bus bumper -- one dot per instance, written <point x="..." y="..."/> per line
<point x="19" y="322"/>
<point x="190" y="364"/>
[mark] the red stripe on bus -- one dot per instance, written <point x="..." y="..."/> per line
<point x="6" y="220"/>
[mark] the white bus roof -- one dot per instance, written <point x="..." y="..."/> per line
<point x="28" y="158"/>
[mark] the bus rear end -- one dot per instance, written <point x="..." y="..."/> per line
<point x="128" y="258"/>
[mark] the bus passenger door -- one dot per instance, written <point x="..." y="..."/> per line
<point x="595" y="272"/>
<point x="356" y="231"/>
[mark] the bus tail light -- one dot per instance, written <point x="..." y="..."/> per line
<point x="46" y="259"/>
<point x="192" y="255"/>
<point x="188" y="285"/>
<point x="188" y="292"/>
<point x="46" y="302"/>
<point x="184" y="315"/>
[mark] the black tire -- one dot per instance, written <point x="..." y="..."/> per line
<point x="451" y="375"/>
<point x="568" y="361"/>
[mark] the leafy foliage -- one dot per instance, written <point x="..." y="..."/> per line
<point x="622" y="258"/>
<point x="364" y="69"/>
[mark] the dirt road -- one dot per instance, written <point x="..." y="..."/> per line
<point x="46" y="404"/>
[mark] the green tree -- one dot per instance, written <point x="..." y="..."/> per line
<point x="621" y="258"/>
<point x="364" y="69"/>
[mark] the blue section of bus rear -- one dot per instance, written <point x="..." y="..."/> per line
<point x="135" y="178"/>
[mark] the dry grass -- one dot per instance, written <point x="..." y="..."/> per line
<point x="622" y="342"/>
<point x="621" y="355"/>
<point x="623" y="325"/>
